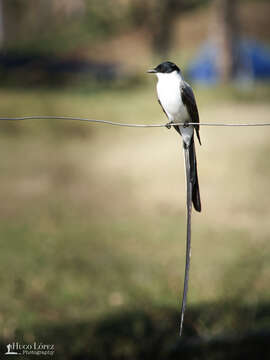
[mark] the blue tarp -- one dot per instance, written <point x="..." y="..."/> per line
<point x="252" y="62"/>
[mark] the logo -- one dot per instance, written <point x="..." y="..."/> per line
<point x="10" y="352"/>
<point x="36" y="348"/>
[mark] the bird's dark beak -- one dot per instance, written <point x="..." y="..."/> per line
<point x="152" y="71"/>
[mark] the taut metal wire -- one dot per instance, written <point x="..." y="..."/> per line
<point x="107" y="122"/>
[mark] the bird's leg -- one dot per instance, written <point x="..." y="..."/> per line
<point x="169" y="124"/>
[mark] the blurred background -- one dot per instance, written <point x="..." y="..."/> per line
<point x="92" y="217"/>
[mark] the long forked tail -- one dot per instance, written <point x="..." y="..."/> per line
<point x="193" y="195"/>
<point x="196" y="199"/>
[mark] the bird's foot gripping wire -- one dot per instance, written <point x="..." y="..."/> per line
<point x="169" y="125"/>
<point x="186" y="124"/>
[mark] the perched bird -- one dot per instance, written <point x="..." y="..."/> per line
<point x="178" y="102"/>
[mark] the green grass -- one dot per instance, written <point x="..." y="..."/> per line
<point x="92" y="226"/>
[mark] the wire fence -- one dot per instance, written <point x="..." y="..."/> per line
<point x="113" y="123"/>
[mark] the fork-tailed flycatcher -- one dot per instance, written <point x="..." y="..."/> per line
<point x="178" y="102"/>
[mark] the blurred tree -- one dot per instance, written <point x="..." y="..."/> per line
<point x="1" y="25"/>
<point x="159" y="17"/>
<point x="23" y="20"/>
<point x="72" y="24"/>
<point x="69" y="7"/>
<point x="162" y="23"/>
<point x="224" y="33"/>
<point x="42" y="25"/>
<point x="106" y="18"/>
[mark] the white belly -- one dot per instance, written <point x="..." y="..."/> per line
<point x="168" y="90"/>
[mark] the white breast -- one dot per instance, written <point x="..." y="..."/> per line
<point x="168" y="90"/>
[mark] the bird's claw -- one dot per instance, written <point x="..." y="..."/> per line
<point x="186" y="124"/>
<point x="169" y="125"/>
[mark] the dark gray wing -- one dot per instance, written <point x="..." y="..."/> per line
<point x="189" y="101"/>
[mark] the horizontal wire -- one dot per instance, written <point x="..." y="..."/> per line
<point x="123" y="124"/>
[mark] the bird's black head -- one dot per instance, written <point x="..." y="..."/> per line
<point x="165" y="68"/>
